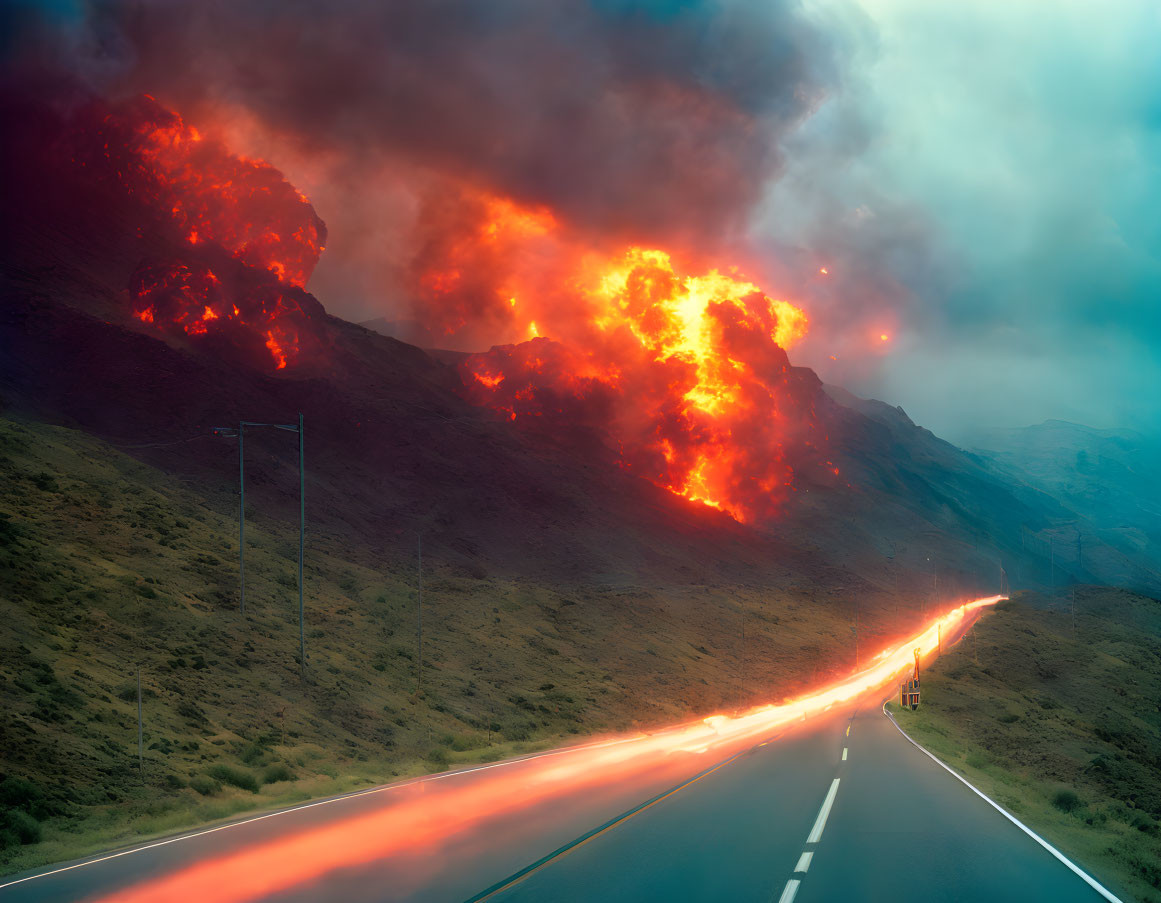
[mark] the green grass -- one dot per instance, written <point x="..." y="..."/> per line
<point x="1061" y="727"/>
<point x="108" y="565"/>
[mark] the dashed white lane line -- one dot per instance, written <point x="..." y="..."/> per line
<point x="790" y="891"/>
<point x="804" y="862"/>
<point x="844" y="753"/>
<point x="823" y="813"/>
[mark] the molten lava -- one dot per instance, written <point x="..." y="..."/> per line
<point x="685" y="373"/>
<point x="230" y="214"/>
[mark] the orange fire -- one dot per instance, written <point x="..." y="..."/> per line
<point x="187" y="298"/>
<point x="219" y="205"/>
<point x="212" y="195"/>
<point x="685" y="372"/>
<point x="413" y="824"/>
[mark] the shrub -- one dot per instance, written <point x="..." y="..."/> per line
<point x="45" y="482"/>
<point x="1066" y="801"/>
<point x="21" y="825"/>
<point x="438" y="759"/>
<point x="173" y="781"/>
<point x="9" y="531"/>
<point x="275" y="773"/>
<point x="19" y="793"/>
<point x="252" y="753"/>
<point x="204" y="784"/>
<point x="235" y="777"/>
<point x="191" y="712"/>
<point x="1009" y="718"/>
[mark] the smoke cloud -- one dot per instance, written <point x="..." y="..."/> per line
<point x="656" y="123"/>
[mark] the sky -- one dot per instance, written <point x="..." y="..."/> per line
<point x="1021" y="142"/>
<point x="979" y="180"/>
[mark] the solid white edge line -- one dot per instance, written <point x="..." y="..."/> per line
<point x="1081" y="873"/>
<point x="823" y="813"/>
<point x="804" y="862"/>
<point x="397" y="785"/>
<point x="789" y="891"/>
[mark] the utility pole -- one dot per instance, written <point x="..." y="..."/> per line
<point x="242" y="517"/>
<point x="301" y="548"/>
<point x="743" y="681"/>
<point x="229" y="432"/>
<point x="856" y="632"/>
<point x="419" y="560"/>
<point x="934" y="587"/>
<point x="895" y="568"/>
<point x="140" y="730"/>
<point x="1052" y="563"/>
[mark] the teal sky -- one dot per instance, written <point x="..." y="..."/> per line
<point x="1003" y="161"/>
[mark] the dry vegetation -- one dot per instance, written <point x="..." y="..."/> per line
<point x="107" y="564"/>
<point x="1062" y="726"/>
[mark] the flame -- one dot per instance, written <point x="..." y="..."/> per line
<point x="275" y="350"/>
<point x="413" y="824"/>
<point x="682" y="369"/>
<point x="189" y="299"/>
<point x="212" y="195"/>
<point x="217" y="203"/>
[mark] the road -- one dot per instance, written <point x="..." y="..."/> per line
<point x="837" y="807"/>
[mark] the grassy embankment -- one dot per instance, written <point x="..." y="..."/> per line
<point x="1060" y="726"/>
<point x="107" y="564"/>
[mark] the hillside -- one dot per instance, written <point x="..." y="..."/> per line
<point x="1060" y="724"/>
<point x="1109" y="478"/>
<point x="564" y="596"/>
<point x="109" y="565"/>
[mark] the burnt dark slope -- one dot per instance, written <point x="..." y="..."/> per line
<point x="393" y="450"/>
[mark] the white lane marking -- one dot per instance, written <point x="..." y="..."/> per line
<point x="1081" y="873"/>
<point x="823" y="813"/>
<point x="424" y="779"/>
<point x="844" y="753"/>
<point x="789" y="891"/>
<point x="804" y="862"/>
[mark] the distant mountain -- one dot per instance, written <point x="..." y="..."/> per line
<point x="1112" y="478"/>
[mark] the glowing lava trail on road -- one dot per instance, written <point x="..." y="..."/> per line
<point x="415" y="824"/>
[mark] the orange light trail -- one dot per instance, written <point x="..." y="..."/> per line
<point x="420" y="822"/>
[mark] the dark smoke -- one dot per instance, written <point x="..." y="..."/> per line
<point x="656" y="122"/>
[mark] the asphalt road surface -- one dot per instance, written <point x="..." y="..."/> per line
<point x="840" y="808"/>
